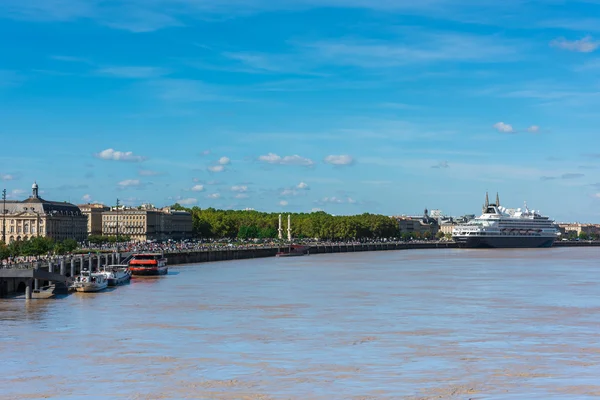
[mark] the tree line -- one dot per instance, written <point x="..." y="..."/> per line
<point x="36" y="246"/>
<point x="213" y="223"/>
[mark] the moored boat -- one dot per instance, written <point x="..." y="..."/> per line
<point x="148" y="264"/>
<point x="90" y="282"/>
<point x="116" y="274"/>
<point x="294" y="250"/>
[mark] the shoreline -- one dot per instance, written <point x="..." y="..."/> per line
<point x="184" y="258"/>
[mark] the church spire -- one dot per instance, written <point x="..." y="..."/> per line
<point x="497" y="200"/>
<point x="487" y="199"/>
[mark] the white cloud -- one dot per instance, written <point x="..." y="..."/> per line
<point x="87" y="198"/>
<point x="597" y="195"/>
<point x="197" y="188"/>
<point x="336" y="200"/>
<point x="533" y="129"/>
<point x="339" y="160"/>
<point x="332" y="200"/>
<point x="272" y="158"/>
<point x="303" y="186"/>
<point x="239" y="189"/>
<point x="288" y="192"/>
<point x="224" y="161"/>
<point x="6" y="177"/>
<point x="241" y="196"/>
<point x="129" y="183"/>
<point x="133" y="72"/>
<point x="15" y="193"/>
<point x="205" y="153"/>
<point x="584" y="45"/>
<point x="283" y="203"/>
<point x="147" y="172"/>
<point x="216" y="168"/>
<point x="214" y="196"/>
<point x="111" y="154"/>
<point x="442" y="164"/>
<point x="187" y="202"/>
<point x="504" y="128"/>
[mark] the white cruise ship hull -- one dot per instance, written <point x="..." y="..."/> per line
<point x="503" y="242"/>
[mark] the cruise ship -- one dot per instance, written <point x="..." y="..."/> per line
<point x="499" y="227"/>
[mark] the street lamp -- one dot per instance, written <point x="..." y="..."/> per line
<point x="117" y="241"/>
<point x="4" y="216"/>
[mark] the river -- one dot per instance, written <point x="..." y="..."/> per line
<point x="415" y="324"/>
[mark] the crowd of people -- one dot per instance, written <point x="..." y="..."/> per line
<point x="179" y="247"/>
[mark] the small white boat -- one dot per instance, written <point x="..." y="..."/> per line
<point x="90" y="282"/>
<point x="116" y="274"/>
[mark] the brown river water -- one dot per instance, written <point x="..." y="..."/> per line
<point x="418" y="324"/>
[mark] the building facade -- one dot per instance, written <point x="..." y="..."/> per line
<point x="578" y="228"/>
<point x="36" y="217"/>
<point x="418" y="224"/>
<point x="93" y="213"/>
<point x="147" y="223"/>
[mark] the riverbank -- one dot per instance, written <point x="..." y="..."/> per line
<point x="178" y="258"/>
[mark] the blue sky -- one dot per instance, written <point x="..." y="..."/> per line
<point x="348" y="106"/>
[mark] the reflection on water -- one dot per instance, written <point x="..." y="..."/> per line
<point x="398" y="324"/>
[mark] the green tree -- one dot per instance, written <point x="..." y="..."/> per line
<point x="439" y="235"/>
<point x="583" y="236"/>
<point x="4" y="252"/>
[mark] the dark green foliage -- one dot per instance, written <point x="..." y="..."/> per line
<point x="212" y="223"/>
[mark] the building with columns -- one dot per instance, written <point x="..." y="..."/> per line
<point x="147" y="223"/>
<point x="33" y="217"/>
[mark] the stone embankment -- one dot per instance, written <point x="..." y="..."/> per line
<point x="20" y="278"/>
<point x="262" y="252"/>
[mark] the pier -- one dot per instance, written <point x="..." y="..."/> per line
<point x="27" y="278"/>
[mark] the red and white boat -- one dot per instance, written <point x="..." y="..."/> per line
<point x="148" y="264"/>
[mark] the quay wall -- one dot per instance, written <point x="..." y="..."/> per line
<point x="13" y="282"/>
<point x="246" y="253"/>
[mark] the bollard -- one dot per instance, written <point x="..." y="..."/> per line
<point x="28" y="292"/>
<point x="63" y="268"/>
<point x="72" y="267"/>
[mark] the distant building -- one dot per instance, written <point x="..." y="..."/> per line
<point x="578" y="228"/>
<point x="93" y="213"/>
<point x="417" y="224"/>
<point x="147" y="223"/>
<point x="36" y="217"/>
<point x="446" y="228"/>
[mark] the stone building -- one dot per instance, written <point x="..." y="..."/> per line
<point x="147" y="223"/>
<point x="33" y="217"/>
<point x="418" y="224"/>
<point x="93" y="213"/>
<point x="578" y="228"/>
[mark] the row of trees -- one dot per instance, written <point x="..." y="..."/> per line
<point x="212" y="223"/>
<point x="36" y="246"/>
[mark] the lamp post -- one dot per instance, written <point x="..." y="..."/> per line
<point x="117" y="239"/>
<point x="4" y="216"/>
